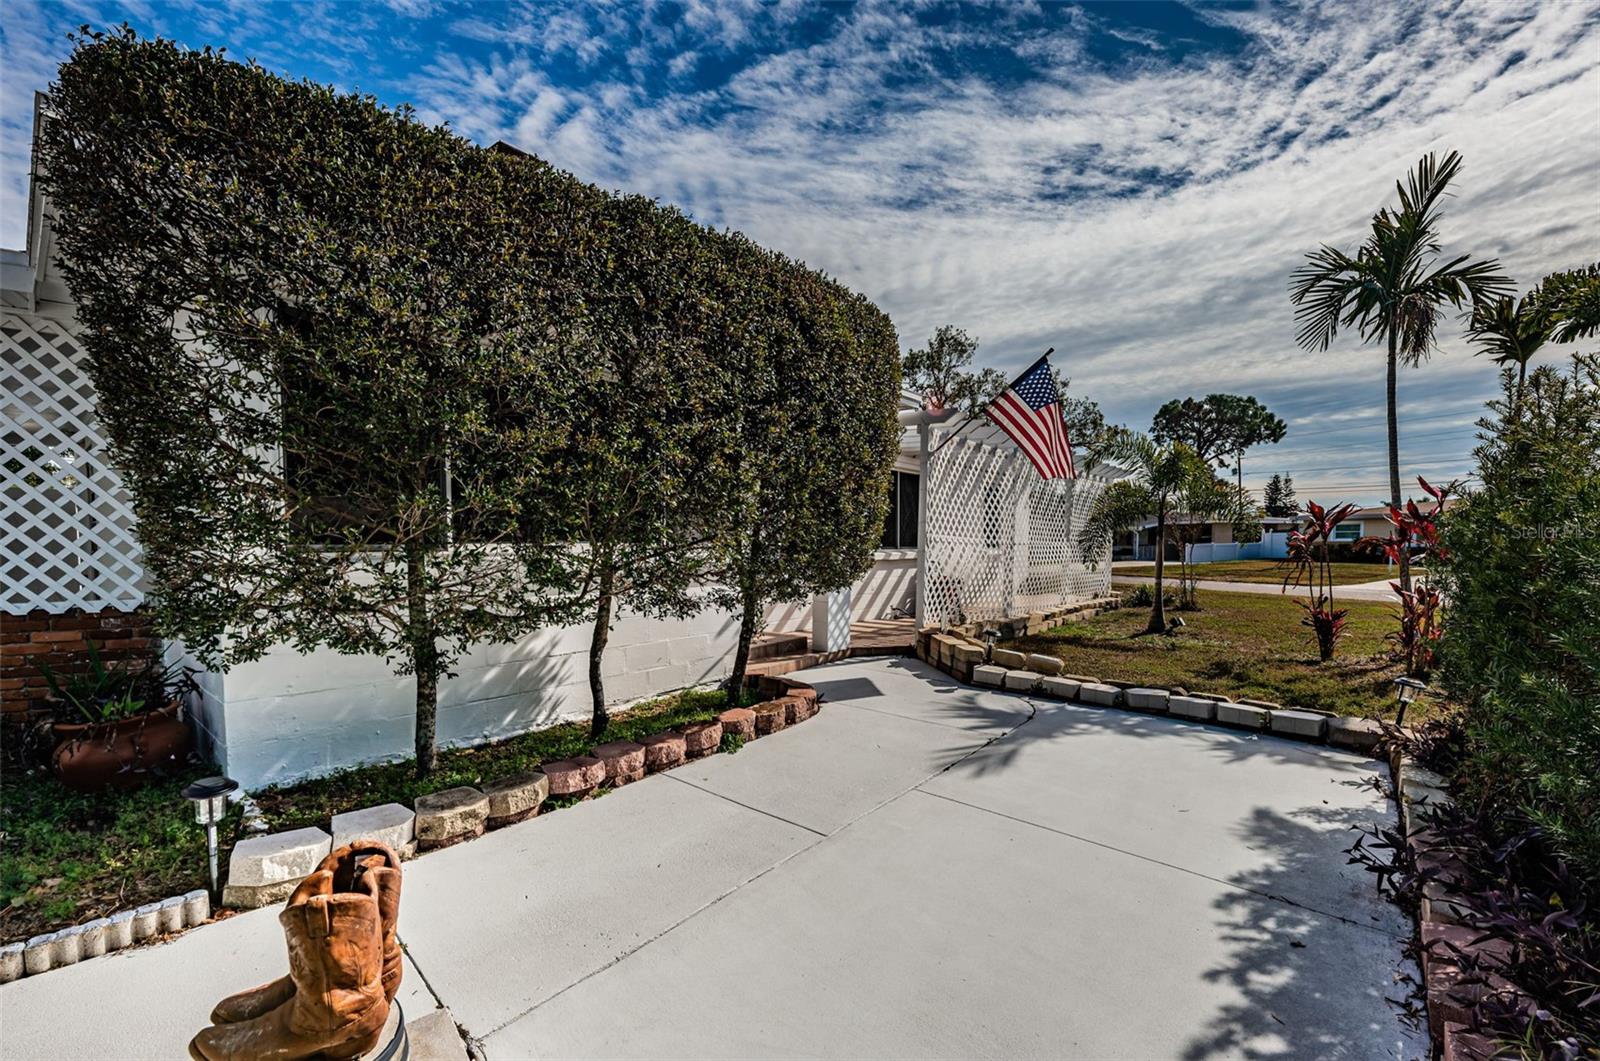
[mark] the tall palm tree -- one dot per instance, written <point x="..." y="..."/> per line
<point x="1158" y="476"/>
<point x="1394" y="288"/>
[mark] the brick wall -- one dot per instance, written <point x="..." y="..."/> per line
<point x="61" y="641"/>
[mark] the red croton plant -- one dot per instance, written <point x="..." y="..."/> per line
<point x="1416" y="532"/>
<point x="1308" y="556"/>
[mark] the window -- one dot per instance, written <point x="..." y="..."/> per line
<point x="1348" y="531"/>
<point x="900" y="525"/>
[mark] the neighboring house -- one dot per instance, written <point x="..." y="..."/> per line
<point x="1212" y="540"/>
<point x="71" y="572"/>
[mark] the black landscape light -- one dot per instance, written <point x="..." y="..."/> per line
<point x="1406" y="689"/>
<point x="210" y="798"/>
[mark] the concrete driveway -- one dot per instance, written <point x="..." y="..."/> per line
<point x="921" y="870"/>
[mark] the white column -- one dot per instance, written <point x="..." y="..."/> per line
<point x="924" y="486"/>
<point x="830" y="621"/>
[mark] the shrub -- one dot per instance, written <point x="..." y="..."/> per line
<point x="1521" y="643"/>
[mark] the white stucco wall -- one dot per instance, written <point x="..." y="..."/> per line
<point x="290" y="715"/>
<point x="890" y="582"/>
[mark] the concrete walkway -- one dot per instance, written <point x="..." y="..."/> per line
<point x="922" y="870"/>
<point x="1378" y="591"/>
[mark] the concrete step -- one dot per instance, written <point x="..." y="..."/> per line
<point x="768" y="645"/>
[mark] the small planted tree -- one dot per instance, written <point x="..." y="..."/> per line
<point x="1158" y="476"/>
<point x="303" y="323"/>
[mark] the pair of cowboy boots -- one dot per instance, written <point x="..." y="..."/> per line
<point x="344" y="968"/>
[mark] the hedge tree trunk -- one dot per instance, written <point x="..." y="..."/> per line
<point x="747" y="633"/>
<point x="424" y="650"/>
<point x="597" y="648"/>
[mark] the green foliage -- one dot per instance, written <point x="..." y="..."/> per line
<point x="376" y="389"/>
<point x="333" y="318"/>
<point x="1572" y="301"/>
<point x="816" y="438"/>
<point x="1395" y="288"/>
<point x="1278" y="498"/>
<point x="1216" y="426"/>
<point x="110" y="694"/>
<point x="1160" y="478"/>
<point x="1520" y="573"/>
<point x="941" y="372"/>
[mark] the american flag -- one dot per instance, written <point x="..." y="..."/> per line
<point x="1029" y="412"/>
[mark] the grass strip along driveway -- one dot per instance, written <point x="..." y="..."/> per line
<point x="1241" y="645"/>
<point x="1272" y="571"/>
<point x="67" y="857"/>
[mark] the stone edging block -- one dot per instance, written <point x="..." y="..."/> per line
<point x="1357" y="734"/>
<point x="1060" y="688"/>
<point x="277" y="858"/>
<point x="770" y="717"/>
<point x="450" y="817"/>
<point x="663" y="751"/>
<point x="740" y="721"/>
<point x="624" y="761"/>
<point x="1099" y="694"/>
<point x="703" y="738"/>
<point x="1243" y="716"/>
<point x="1302" y="725"/>
<point x="989" y="674"/>
<point x="388" y="823"/>
<point x="1151" y="701"/>
<point x="577" y="776"/>
<point x="516" y="798"/>
<point x="1195" y="707"/>
<point x="1019" y="681"/>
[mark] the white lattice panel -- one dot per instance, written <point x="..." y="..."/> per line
<point x="1000" y="541"/>
<point x="66" y="523"/>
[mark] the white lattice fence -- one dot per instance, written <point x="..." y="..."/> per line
<point x="1000" y="541"/>
<point x="66" y="529"/>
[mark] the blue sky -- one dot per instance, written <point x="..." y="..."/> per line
<point x="1130" y="183"/>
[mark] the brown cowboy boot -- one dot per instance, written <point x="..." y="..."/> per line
<point x="337" y="1008"/>
<point x="369" y="857"/>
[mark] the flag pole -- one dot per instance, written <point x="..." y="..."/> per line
<point x="974" y="416"/>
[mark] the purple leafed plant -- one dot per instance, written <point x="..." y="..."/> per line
<point x="1310" y="566"/>
<point x="1416" y="535"/>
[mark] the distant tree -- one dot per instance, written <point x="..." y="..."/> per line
<point x="1216" y="426"/>
<point x="1219" y="427"/>
<point x="1201" y="500"/>
<point x="941" y="372"/>
<point x="1278" y="498"/>
<point x="1159" y="475"/>
<point x="1393" y="289"/>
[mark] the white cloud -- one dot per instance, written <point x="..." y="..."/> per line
<point x="1142" y="219"/>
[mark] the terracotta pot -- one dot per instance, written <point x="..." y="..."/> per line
<point x="90" y="757"/>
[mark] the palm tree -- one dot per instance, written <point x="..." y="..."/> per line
<point x="1511" y="333"/>
<point x="1394" y="288"/>
<point x="1158" y="475"/>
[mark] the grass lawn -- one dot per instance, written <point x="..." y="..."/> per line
<point x="1264" y="571"/>
<point x="1242" y="645"/>
<point x="66" y="858"/>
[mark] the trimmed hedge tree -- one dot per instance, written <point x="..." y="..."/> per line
<point x="819" y="441"/>
<point x="321" y="352"/>
<point x="376" y="389"/>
